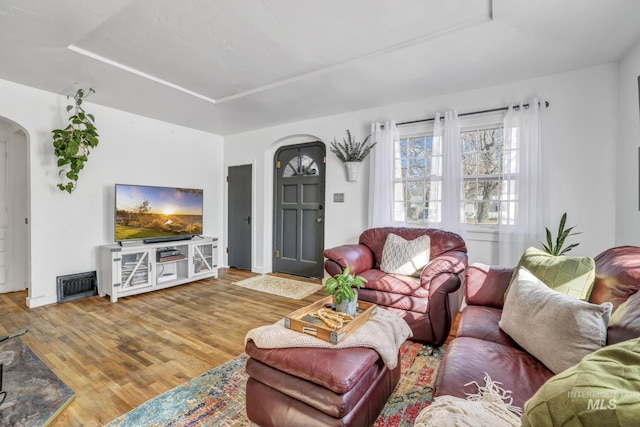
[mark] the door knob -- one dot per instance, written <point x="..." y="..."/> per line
<point x="319" y="219"/>
<point x="248" y="219"/>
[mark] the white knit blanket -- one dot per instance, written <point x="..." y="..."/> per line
<point x="384" y="332"/>
<point x="491" y="406"/>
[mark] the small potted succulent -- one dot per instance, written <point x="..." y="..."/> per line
<point x="343" y="286"/>
<point x="351" y="153"/>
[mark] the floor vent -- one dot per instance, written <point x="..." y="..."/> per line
<point x="76" y="286"/>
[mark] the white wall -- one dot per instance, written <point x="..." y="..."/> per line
<point x="627" y="203"/>
<point x="579" y="133"/>
<point x="66" y="229"/>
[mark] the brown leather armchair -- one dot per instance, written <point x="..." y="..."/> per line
<point x="429" y="303"/>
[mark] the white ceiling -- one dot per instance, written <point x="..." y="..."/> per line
<point x="276" y="61"/>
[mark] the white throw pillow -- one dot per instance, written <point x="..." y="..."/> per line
<point x="558" y="329"/>
<point x="406" y="257"/>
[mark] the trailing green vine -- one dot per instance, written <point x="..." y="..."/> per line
<point x="73" y="143"/>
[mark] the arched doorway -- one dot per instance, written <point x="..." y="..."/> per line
<point x="14" y="208"/>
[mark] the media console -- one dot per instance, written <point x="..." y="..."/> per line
<point x="137" y="268"/>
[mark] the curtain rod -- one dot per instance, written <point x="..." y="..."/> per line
<point x="493" y="110"/>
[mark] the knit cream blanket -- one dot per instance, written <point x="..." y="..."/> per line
<point x="384" y="332"/>
<point x="491" y="406"/>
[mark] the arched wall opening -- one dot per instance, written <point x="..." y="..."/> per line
<point x="268" y="184"/>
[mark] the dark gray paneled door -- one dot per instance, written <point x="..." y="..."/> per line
<point x="299" y="210"/>
<point x="239" y="216"/>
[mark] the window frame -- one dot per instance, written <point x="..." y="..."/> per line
<point x="425" y="129"/>
<point x="415" y="130"/>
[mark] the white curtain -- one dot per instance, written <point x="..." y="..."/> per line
<point x="381" y="174"/>
<point x="522" y="193"/>
<point x="452" y="177"/>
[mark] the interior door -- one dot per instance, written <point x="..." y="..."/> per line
<point x="299" y="210"/>
<point x="239" y="216"/>
<point x="14" y="196"/>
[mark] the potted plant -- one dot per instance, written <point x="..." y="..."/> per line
<point x="351" y="153"/>
<point x="71" y="145"/>
<point x="556" y="249"/>
<point x="343" y="287"/>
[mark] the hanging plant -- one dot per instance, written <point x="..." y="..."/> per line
<point x="72" y="144"/>
<point x="349" y="150"/>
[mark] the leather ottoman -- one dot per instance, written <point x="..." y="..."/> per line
<point x="316" y="386"/>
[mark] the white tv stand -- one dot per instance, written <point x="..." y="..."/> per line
<point x="135" y="268"/>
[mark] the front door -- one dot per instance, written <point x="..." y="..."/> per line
<point x="299" y="210"/>
<point x="239" y="216"/>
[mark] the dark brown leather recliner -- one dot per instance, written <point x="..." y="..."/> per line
<point x="482" y="347"/>
<point x="428" y="304"/>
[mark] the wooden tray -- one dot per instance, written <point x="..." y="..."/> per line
<point x="300" y="321"/>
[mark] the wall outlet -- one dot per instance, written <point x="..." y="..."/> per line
<point x="338" y="197"/>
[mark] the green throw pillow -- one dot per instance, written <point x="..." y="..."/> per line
<point x="573" y="276"/>
<point x="602" y="390"/>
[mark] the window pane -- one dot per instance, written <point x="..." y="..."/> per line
<point x="301" y="166"/>
<point x="482" y="164"/>
<point x="469" y="163"/>
<point x="398" y="211"/>
<point x="397" y="168"/>
<point x="415" y="168"/>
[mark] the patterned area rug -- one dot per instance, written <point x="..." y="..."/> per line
<point x="419" y="365"/>
<point x="279" y="286"/>
<point x="217" y="398"/>
<point x="35" y="395"/>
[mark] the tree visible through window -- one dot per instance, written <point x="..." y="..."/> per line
<point x="482" y="164"/>
<point x="487" y="197"/>
<point x="418" y="179"/>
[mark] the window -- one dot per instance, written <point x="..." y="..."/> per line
<point x="301" y="165"/>
<point x="417" y="184"/>
<point x="487" y="197"/>
<point x="482" y="165"/>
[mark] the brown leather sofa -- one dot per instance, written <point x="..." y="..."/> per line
<point x="482" y="347"/>
<point x="428" y="304"/>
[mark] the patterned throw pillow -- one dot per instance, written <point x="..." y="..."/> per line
<point x="573" y="276"/>
<point x="406" y="257"/>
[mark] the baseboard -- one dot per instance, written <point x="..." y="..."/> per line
<point x="33" y="302"/>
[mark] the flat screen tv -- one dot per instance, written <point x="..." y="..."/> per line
<point x="157" y="214"/>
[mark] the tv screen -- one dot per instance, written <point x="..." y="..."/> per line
<point x="157" y="213"/>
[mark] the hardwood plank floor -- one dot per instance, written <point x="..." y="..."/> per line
<point x="117" y="356"/>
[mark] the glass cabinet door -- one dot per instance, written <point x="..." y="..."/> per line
<point x="202" y="261"/>
<point x="135" y="270"/>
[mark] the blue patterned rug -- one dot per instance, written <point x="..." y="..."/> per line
<point x="35" y="395"/>
<point x="217" y="397"/>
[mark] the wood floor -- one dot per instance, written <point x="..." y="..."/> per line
<point x="115" y="356"/>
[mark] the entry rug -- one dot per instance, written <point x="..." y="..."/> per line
<point x="293" y="289"/>
<point x="217" y="398"/>
<point x="35" y="395"/>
